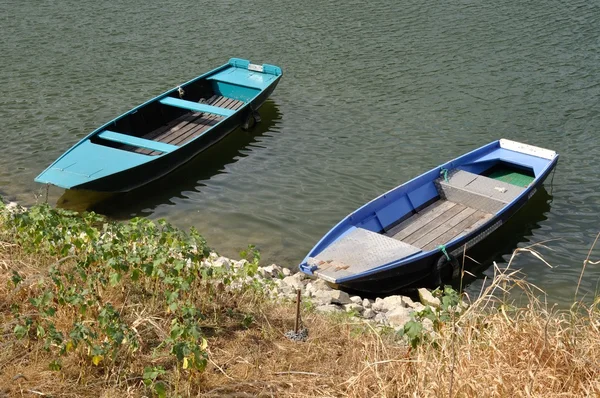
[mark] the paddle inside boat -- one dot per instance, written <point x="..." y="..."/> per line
<point x="160" y="135"/>
<point x="413" y="233"/>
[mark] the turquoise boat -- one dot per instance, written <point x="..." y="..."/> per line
<point x="156" y="137"/>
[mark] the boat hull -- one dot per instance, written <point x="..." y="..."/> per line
<point x="422" y="212"/>
<point x="136" y="177"/>
<point x="155" y="138"/>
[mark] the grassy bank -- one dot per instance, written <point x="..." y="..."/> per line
<point x="90" y="308"/>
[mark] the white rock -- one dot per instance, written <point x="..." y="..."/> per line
<point x="321" y="298"/>
<point x="308" y="289"/>
<point x="221" y="262"/>
<point x="286" y="272"/>
<point x="335" y="296"/>
<point x="368" y="313"/>
<point x="427" y="324"/>
<point x="354" y="307"/>
<point x="380" y="318"/>
<point x="277" y="282"/>
<point x="407" y="301"/>
<point x="271" y="271"/>
<point x="367" y="303"/>
<point x="338" y="297"/>
<point x="417" y="307"/>
<point x="287" y="290"/>
<point x="205" y="263"/>
<point x="329" y="308"/>
<point x="213" y="256"/>
<point x="428" y="299"/>
<point x="319" y="285"/>
<point x="398" y="316"/>
<point x="296" y="280"/>
<point x="356" y="300"/>
<point x="263" y="273"/>
<point x="293" y="296"/>
<point x="388" y="304"/>
<point x="239" y="264"/>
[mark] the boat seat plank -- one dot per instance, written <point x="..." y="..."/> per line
<point x="422" y="218"/>
<point x="491" y="187"/>
<point x="204" y="122"/>
<point x="398" y="227"/>
<point x="193" y="119"/>
<point x="471" y="199"/>
<point x="136" y="141"/>
<point x="477" y="191"/>
<point x="433" y="233"/>
<point x="173" y="126"/>
<point x="358" y="251"/>
<point x="196" y="106"/>
<point x="464" y="227"/>
<point x="440" y="220"/>
<point x="187" y="126"/>
<point x="235" y="105"/>
<point x="200" y="124"/>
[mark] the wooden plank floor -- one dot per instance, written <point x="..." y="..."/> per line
<point x="437" y="224"/>
<point x="190" y="125"/>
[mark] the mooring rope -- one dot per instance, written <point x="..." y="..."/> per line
<point x="443" y="249"/>
<point x="444" y="172"/>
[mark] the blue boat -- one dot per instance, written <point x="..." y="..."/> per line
<point x="160" y="135"/>
<point x="413" y="234"/>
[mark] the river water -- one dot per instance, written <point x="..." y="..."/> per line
<point x="373" y="94"/>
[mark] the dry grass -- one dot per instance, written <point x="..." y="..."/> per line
<point x="493" y="350"/>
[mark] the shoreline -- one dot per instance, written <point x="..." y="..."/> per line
<point x="99" y="308"/>
<point x="282" y="284"/>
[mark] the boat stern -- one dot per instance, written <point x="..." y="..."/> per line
<point x="532" y="160"/>
<point x="243" y="80"/>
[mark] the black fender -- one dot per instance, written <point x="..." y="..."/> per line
<point x="251" y="119"/>
<point x="443" y="262"/>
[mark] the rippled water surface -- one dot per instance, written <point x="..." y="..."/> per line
<point x="373" y="93"/>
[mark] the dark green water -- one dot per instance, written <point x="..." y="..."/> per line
<point x="373" y="94"/>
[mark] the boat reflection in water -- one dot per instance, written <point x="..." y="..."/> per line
<point x="189" y="177"/>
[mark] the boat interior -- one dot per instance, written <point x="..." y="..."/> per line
<point x="462" y="202"/>
<point x="163" y="125"/>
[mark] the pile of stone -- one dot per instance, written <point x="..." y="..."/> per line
<point x="393" y="311"/>
<point x="282" y="284"/>
<point x="11" y="207"/>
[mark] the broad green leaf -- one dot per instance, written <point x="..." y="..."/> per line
<point x="160" y="389"/>
<point x="115" y="278"/>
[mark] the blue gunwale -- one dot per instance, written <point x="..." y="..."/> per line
<point x="370" y="209"/>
